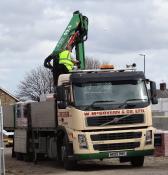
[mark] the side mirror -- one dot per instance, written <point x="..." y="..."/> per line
<point x="61" y="97"/>
<point x="153" y="92"/>
<point x="60" y="94"/>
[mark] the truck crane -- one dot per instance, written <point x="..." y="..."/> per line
<point x="75" y="35"/>
<point x="95" y="114"/>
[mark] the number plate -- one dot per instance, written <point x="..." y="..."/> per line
<point x="118" y="154"/>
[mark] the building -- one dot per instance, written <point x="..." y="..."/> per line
<point x="161" y="108"/>
<point x="160" y="111"/>
<point x="7" y="98"/>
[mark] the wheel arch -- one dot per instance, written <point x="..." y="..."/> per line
<point x="62" y="132"/>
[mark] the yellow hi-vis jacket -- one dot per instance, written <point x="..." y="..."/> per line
<point x="65" y="58"/>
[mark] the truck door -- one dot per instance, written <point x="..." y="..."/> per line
<point x="63" y="104"/>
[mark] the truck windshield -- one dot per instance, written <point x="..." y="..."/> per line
<point x="110" y="95"/>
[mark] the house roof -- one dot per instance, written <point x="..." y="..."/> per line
<point x="9" y="94"/>
<point x="162" y="93"/>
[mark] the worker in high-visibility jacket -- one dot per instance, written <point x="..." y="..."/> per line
<point x="65" y="64"/>
<point x="66" y="60"/>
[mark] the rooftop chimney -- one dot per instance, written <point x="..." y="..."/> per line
<point x="162" y="86"/>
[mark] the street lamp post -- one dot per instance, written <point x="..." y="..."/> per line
<point x="144" y="60"/>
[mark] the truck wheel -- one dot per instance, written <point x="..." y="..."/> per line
<point x="19" y="156"/>
<point x="13" y="153"/>
<point x="137" y="161"/>
<point x="68" y="164"/>
<point x="28" y="157"/>
<point x="59" y="151"/>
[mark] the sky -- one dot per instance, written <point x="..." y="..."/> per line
<point x="119" y="30"/>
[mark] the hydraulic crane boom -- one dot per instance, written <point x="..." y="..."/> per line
<point x="74" y="36"/>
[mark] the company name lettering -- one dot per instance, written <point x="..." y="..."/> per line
<point x="115" y="112"/>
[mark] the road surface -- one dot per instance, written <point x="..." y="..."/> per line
<point x="152" y="166"/>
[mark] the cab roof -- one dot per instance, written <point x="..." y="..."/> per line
<point x="100" y="76"/>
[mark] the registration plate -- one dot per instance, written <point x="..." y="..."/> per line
<point x="118" y="154"/>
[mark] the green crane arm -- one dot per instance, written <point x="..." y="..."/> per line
<point x="74" y="36"/>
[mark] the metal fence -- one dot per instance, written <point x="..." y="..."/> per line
<point x="2" y="161"/>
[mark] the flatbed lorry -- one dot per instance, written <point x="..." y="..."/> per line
<point x="94" y="114"/>
<point x="99" y="114"/>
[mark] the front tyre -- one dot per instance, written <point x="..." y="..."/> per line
<point x="65" y="153"/>
<point x="137" y="161"/>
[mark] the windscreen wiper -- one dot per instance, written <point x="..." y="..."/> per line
<point x="129" y="100"/>
<point x="98" y="101"/>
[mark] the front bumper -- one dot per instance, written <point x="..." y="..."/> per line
<point x="103" y="155"/>
<point x="112" y="144"/>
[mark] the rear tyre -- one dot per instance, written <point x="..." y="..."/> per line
<point x="137" y="161"/>
<point x="19" y="156"/>
<point x="28" y="157"/>
<point x="13" y="153"/>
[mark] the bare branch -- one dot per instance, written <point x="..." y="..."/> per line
<point x="92" y="63"/>
<point x="38" y="81"/>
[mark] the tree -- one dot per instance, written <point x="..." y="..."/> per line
<point x="39" y="81"/>
<point x="92" y="63"/>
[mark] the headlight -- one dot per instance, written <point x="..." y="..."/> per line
<point x="148" y="137"/>
<point x="82" y="141"/>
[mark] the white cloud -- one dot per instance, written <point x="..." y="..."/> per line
<point x="118" y="31"/>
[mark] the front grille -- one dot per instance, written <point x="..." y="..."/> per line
<point x="116" y="146"/>
<point x="116" y="136"/>
<point x="115" y="120"/>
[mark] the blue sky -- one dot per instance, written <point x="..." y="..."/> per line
<point x="119" y="30"/>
